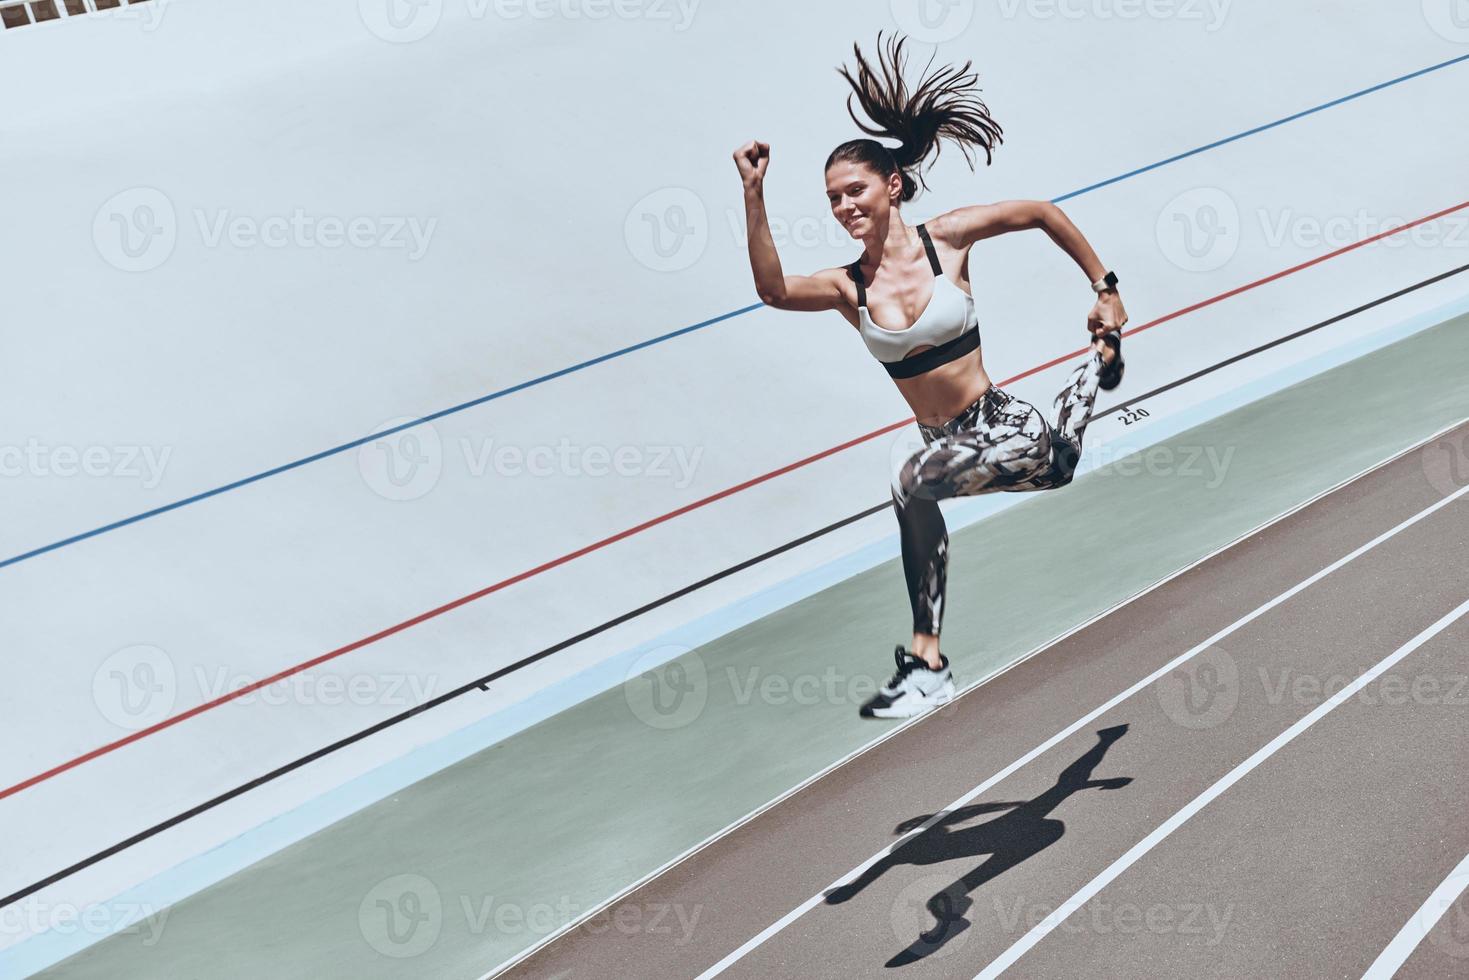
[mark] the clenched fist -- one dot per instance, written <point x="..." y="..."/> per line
<point x="752" y="159"/>
<point x="1107" y="315"/>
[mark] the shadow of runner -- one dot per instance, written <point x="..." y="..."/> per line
<point x="1021" y="833"/>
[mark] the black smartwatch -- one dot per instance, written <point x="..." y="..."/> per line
<point x="1109" y="281"/>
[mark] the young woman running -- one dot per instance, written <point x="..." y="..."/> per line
<point x="977" y="438"/>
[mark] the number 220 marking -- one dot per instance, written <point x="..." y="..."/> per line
<point x="1132" y="415"/>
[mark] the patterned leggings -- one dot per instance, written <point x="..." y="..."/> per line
<point x="999" y="443"/>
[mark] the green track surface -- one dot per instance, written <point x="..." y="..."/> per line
<point x="508" y="844"/>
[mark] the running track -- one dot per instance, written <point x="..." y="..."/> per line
<point x="1211" y="815"/>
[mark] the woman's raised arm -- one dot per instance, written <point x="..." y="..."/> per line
<point x="962" y="227"/>
<point x="807" y="293"/>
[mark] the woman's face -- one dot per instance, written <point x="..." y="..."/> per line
<point x="860" y="198"/>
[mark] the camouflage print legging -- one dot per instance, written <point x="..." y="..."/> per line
<point x="999" y="443"/>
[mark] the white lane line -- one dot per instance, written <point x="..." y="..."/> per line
<point x="1420" y="925"/>
<point x="1142" y="847"/>
<point x="806" y="906"/>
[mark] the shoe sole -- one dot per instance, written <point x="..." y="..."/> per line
<point x="909" y="709"/>
<point x="1118" y="365"/>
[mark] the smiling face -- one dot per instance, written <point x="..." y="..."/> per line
<point x="860" y="197"/>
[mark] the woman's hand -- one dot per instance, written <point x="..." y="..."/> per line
<point x="752" y="159"/>
<point x="1107" y="315"/>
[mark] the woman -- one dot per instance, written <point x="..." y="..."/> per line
<point x="977" y="438"/>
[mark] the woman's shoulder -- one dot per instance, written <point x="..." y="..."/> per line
<point x="838" y="274"/>
<point x="843" y="279"/>
<point x="948" y="227"/>
<point x="962" y="227"/>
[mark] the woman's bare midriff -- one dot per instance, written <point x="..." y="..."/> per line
<point x="941" y="394"/>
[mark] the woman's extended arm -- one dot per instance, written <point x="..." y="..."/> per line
<point x="964" y="226"/>
<point x="807" y="293"/>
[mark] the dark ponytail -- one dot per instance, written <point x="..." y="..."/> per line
<point x="943" y="106"/>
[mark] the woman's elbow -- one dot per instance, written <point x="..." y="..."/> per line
<point x="1048" y="215"/>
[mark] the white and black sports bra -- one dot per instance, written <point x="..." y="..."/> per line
<point x="948" y="323"/>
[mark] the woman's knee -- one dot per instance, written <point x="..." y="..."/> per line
<point x="908" y="487"/>
<point x="1065" y="454"/>
<point x="922" y="476"/>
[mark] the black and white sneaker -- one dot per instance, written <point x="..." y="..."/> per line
<point x="1111" y="375"/>
<point x="914" y="689"/>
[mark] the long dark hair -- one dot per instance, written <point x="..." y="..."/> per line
<point x="943" y="106"/>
